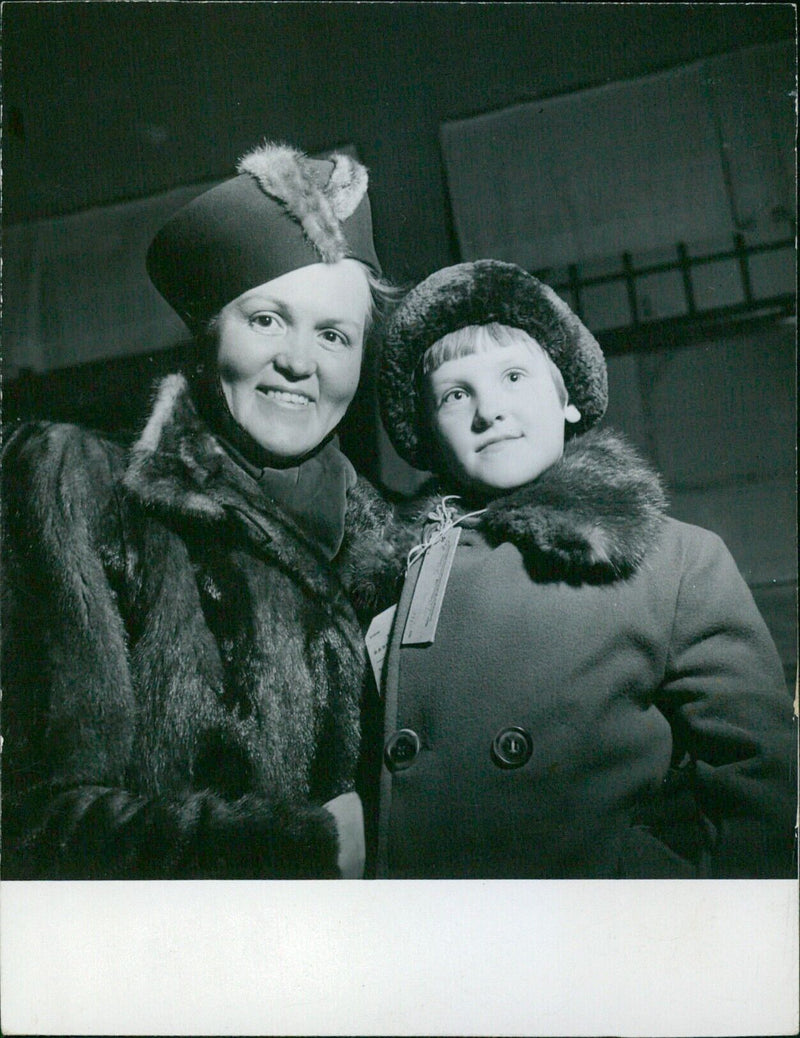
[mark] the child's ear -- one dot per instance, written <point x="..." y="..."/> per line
<point x="572" y="414"/>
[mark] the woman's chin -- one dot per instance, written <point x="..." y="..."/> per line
<point x="284" y="452"/>
<point x="287" y="432"/>
<point x="288" y="445"/>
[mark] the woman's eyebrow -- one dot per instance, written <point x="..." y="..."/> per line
<point x="339" y="321"/>
<point x="257" y="299"/>
<point x="275" y="303"/>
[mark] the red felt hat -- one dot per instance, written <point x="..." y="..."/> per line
<point x="283" y="211"/>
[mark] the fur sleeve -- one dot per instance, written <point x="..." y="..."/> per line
<point x="373" y="556"/>
<point x="99" y="832"/>
<point x="70" y="710"/>
<point x="65" y="661"/>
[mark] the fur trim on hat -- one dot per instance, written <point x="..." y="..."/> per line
<point x="475" y="294"/>
<point x="286" y="174"/>
<point x="347" y="186"/>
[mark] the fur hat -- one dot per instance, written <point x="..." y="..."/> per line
<point x="479" y="293"/>
<point x="283" y="211"/>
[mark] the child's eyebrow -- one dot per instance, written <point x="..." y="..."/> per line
<point x="437" y="391"/>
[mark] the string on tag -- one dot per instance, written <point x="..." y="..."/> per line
<point x="442" y="518"/>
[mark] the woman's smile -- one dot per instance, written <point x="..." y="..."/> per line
<point x="284" y="397"/>
<point x="289" y="355"/>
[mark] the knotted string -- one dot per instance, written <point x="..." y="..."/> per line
<point x="441" y="520"/>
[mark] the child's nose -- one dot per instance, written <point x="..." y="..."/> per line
<point x="487" y="412"/>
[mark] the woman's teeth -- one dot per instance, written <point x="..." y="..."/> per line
<point x="286" y="397"/>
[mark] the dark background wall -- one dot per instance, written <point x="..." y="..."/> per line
<point x="112" y="101"/>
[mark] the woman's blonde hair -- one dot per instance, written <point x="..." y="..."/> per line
<point x="384" y="298"/>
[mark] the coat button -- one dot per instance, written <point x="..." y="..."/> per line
<point x="512" y="747"/>
<point x="401" y="749"/>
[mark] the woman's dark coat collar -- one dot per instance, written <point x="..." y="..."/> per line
<point x="178" y="469"/>
<point x="177" y="465"/>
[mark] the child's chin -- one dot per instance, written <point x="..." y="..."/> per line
<point x="483" y="490"/>
<point x="489" y="484"/>
<point x="509" y="479"/>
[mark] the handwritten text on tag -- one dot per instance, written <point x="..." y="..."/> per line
<point x="423" y="616"/>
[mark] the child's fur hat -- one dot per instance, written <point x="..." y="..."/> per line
<point x="283" y="211"/>
<point x="479" y="293"/>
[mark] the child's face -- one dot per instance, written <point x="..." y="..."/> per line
<point x="498" y="416"/>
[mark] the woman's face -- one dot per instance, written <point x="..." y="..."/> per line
<point x="289" y="354"/>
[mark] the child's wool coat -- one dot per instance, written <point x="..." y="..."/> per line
<point x="182" y="669"/>
<point x="602" y="698"/>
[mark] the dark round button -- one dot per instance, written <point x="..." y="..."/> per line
<point x="401" y="749"/>
<point x="512" y="747"/>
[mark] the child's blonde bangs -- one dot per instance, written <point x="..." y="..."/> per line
<point x="478" y="338"/>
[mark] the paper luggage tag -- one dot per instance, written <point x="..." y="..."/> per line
<point x="423" y="615"/>
<point x="377" y="641"/>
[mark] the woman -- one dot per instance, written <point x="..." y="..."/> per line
<point x="182" y="666"/>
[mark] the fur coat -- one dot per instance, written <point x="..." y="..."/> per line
<point x="182" y="669"/>
<point x="601" y="698"/>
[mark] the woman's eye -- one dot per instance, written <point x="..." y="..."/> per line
<point x="265" y="322"/>
<point x="332" y="337"/>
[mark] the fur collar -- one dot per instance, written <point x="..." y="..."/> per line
<point x="591" y="517"/>
<point x="178" y="470"/>
<point x="178" y="466"/>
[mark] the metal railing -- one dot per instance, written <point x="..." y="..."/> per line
<point x="640" y="329"/>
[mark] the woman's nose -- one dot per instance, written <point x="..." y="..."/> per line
<point x="294" y="363"/>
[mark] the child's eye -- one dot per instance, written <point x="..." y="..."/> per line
<point x="515" y="376"/>
<point x="266" y="322"/>
<point x="453" y="396"/>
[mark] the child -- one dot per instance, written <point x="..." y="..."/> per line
<point x="575" y="686"/>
